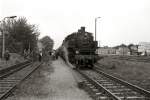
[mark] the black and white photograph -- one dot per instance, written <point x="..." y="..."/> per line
<point x="74" y="49"/>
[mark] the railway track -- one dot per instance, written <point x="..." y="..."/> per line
<point x="9" y="80"/>
<point x="130" y="58"/>
<point x="103" y="86"/>
<point x="7" y="71"/>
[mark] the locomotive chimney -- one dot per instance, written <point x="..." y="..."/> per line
<point x="82" y="29"/>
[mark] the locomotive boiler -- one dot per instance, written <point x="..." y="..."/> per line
<point x="81" y="48"/>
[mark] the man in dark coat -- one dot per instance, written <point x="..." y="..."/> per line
<point x="7" y="56"/>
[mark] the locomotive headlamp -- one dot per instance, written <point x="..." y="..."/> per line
<point x="77" y="52"/>
<point x="86" y="34"/>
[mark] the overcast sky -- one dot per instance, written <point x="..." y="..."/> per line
<point x="122" y="21"/>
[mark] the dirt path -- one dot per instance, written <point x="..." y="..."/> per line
<point x="51" y="82"/>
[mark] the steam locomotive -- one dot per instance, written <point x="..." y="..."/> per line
<point x="81" y="48"/>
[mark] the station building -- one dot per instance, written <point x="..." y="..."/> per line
<point x="106" y="51"/>
<point x="123" y="51"/>
<point x="113" y="51"/>
<point x="144" y="48"/>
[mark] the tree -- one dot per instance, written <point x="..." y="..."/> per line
<point x="21" y="35"/>
<point x="48" y="43"/>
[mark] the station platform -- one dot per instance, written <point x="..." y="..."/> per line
<point x="63" y="83"/>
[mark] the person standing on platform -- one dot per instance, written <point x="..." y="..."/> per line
<point x="7" y="56"/>
<point x="40" y="56"/>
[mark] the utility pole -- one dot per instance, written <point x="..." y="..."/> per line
<point x="96" y="25"/>
<point x="3" y="45"/>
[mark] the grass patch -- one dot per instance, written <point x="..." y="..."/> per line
<point x="135" y="72"/>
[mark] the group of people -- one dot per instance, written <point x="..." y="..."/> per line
<point x="54" y="55"/>
<point x="35" y="56"/>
